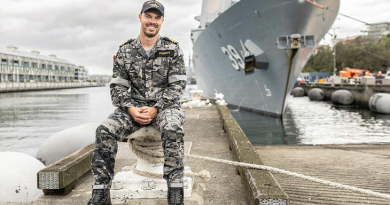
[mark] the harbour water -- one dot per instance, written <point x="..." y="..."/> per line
<point x="27" y="119"/>
<point x="308" y="122"/>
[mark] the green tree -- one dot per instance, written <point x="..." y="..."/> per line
<point x="362" y="52"/>
<point x="322" y="61"/>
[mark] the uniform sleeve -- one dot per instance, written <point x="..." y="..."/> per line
<point x="177" y="80"/>
<point x="120" y="86"/>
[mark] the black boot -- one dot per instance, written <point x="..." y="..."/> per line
<point x="176" y="195"/>
<point x="100" y="195"/>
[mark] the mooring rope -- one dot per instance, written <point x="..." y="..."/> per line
<point x="272" y="169"/>
<point x="152" y="151"/>
<point x="205" y="175"/>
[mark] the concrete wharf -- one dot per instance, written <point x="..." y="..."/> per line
<point x="363" y="166"/>
<point x="213" y="132"/>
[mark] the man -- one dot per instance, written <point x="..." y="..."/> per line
<point x="148" y="79"/>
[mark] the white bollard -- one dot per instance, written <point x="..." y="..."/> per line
<point x="146" y="180"/>
<point x="18" y="177"/>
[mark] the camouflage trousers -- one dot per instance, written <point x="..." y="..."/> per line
<point x="120" y="124"/>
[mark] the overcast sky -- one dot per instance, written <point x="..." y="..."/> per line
<point x="88" y="32"/>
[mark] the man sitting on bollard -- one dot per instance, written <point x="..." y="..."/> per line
<point x="148" y="79"/>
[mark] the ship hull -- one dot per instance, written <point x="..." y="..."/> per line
<point x="261" y="22"/>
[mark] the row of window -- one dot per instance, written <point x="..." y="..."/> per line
<point x="31" y="78"/>
<point x="35" y="65"/>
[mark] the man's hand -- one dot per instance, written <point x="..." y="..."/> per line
<point x="150" y="111"/>
<point x="139" y="116"/>
<point x="143" y="115"/>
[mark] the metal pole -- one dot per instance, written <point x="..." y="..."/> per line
<point x="334" y="56"/>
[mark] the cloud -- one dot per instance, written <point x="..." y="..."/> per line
<point x="88" y="32"/>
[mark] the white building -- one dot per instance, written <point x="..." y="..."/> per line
<point x="377" y="30"/>
<point x="22" y="66"/>
<point x="81" y="74"/>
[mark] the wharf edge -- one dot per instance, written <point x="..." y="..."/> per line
<point x="261" y="186"/>
<point x="43" y="86"/>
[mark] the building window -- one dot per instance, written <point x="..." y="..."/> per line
<point x="16" y="62"/>
<point x="43" y="66"/>
<point x="34" y="65"/>
<point x="4" y="61"/>
<point x="26" y="64"/>
<point x="50" y="66"/>
<point x="56" y="67"/>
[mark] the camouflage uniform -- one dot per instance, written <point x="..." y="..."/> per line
<point x="139" y="80"/>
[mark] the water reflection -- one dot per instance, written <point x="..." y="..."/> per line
<point x="29" y="118"/>
<point x="262" y="129"/>
<point x="307" y="122"/>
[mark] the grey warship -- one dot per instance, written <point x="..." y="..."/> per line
<point x="253" y="51"/>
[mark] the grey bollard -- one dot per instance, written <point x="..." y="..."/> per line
<point x="298" y="92"/>
<point x="342" y="97"/>
<point x="316" y="94"/>
<point x="380" y="102"/>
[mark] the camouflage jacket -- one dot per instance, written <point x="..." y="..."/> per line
<point x="155" y="81"/>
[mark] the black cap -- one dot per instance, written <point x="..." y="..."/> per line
<point x="153" y="5"/>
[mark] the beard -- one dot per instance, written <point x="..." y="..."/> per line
<point x="150" y="34"/>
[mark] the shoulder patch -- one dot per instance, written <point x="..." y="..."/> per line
<point x="171" y="40"/>
<point x="129" y="41"/>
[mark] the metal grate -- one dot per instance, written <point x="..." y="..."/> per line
<point x="273" y="202"/>
<point x="48" y="180"/>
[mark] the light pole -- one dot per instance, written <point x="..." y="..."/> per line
<point x="334" y="55"/>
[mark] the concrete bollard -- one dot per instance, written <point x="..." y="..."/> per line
<point x="316" y="94"/>
<point x="298" y="92"/>
<point x="380" y="102"/>
<point x="342" y="97"/>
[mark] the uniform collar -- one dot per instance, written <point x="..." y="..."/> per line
<point x="141" y="50"/>
<point x="158" y="43"/>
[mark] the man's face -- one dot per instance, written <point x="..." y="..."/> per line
<point x="151" y="21"/>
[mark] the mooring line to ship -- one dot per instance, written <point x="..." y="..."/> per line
<point x="315" y="4"/>
<point x="277" y="170"/>
<point x="154" y="154"/>
<point x="327" y="8"/>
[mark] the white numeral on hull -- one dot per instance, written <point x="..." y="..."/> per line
<point x="237" y="61"/>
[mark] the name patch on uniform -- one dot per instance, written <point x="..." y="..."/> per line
<point x="166" y="53"/>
